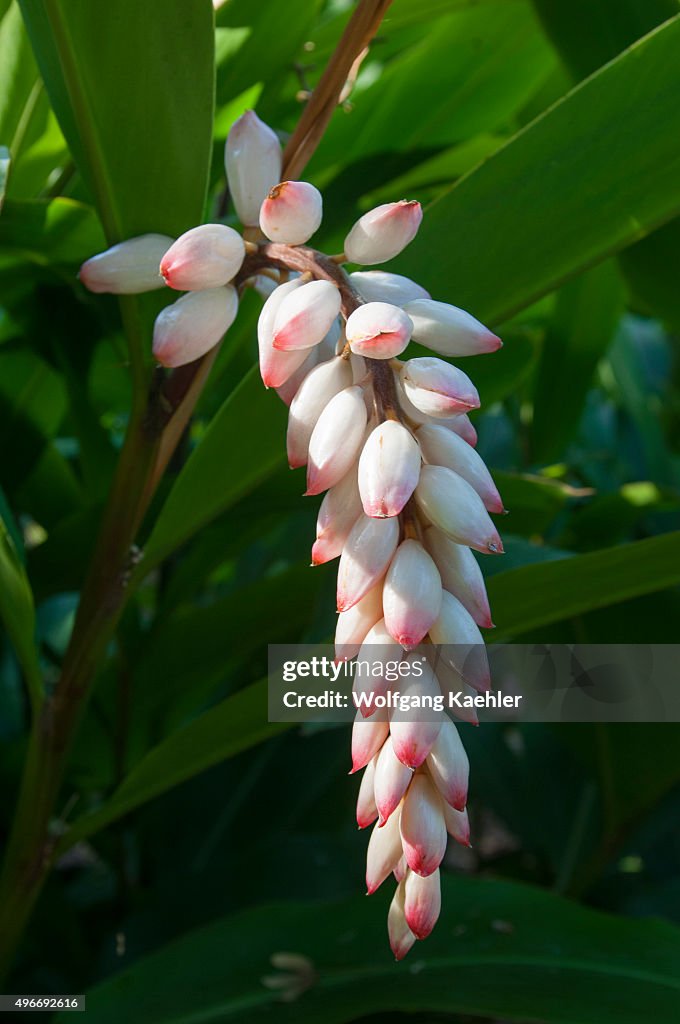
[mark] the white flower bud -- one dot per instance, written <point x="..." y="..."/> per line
<point x="291" y="213"/>
<point x="449" y="330"/>
<point x="305" y="316"/>
<point x="384" y="852"/>
<point x="460" y="574"/>
<point x="436" y="388"/>
<point x="462" y="425"/>
<point x="451" y="504"/>
<point x="378" y="652"/>
<point x="252" y="159"/>
<point x="127" y="268"/>
<point x="190" y="327"/>
<point x="415" y="728"/>
<point x="383" y="232"/>
<point x="389" y="468"/>
<point x="336" y="440"/>
<point x="391" y="780"/>
<point x="457" y="825"/>
<point x="354" y="625"/>
<point x="412" y="594"/>
<point x="367" y="811"/>
<point x="378" y="330"/>
<point x="204" y="257"/>
<point x="276" y="367"/>
<point x="449" y="767"/>
<point x="443" y="447"/>
<point x="316" y="391"/>
<point x="289" y="390"/>
<point x="400" y="935"/>
<point x="340" y="509"/>
<point x="368" y="737"/>
<point x="462" y="645"/>
<point x="381" y="286"/>
<point x="422" y="902"/>
<point x="423" y="829"/>
<point x="365" y="558"/>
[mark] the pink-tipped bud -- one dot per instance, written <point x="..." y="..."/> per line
<point x="367" y="811"/>
<point x="190" y="327"/>
<point x="401" y="869"/>
<point x="204" y="257"/>
<point x="367" y="738"/>
<point x="383" y="232"/>
<point x="381" y="286"/>
<point x="460" y="574"/>
<point x="462" y="645"/>
<point x="276" y="367"/>
<point x="291" y="213"/>
<point x="127" y="268"/>
<point x="462" y="426"/>
<point x="316" y="391"/>
<point x="422" y="903"/>
<point x="305" y="316"/>
<point x="384" y="852"/>
<point x="437" y="388"/>
<point x="289" y="390"/>
<point x="443" y="447"/>
<point x="336" y="440"/>
<point x="400" y="935"/>
<point x="389" y="468"/>
<point x="423" y="830"/>
<point x="457" y="825"/>
<point x="449" y="767"/>
<point x="365" y="558"/>
<point x="378" y="330"/>
<point x="412" y="594"/>
<point x="339" y="511"/>
<point x="354" y="625"/>
<point x="451" y="504"/>
<point x="391" y="780"/>
<point x="376" y="661"/>
<point x="252" y="159"/>
<point x="449" y="330"/>
<point x="414" y="726"/>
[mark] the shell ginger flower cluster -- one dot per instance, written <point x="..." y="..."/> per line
<point x="389" y="441"/>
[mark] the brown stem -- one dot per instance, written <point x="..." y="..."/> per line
<point x="359" y="32"/>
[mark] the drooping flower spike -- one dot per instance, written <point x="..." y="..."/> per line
<point x="390" y="442"/>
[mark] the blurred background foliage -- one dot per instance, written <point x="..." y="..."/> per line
<point x="195" y="839"/>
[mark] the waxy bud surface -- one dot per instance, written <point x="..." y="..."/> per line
<point x="128" y="268"/>
<point x="436" y="388"/>
<point x="383" y="232"/>
<point x="204" y="257"/>
<point x="291" y="213"/>
<point x="423" y="830"/>
<point x="449" y="330"/>
<point x="389" y="468"/>
<point x="190" y="327"/>
<point x="305" y="316"/>
<point x="277" y="367"/>
<point x="336" y="440"/>
<point x="443" y="447"/>
<point x="252" y="159"/>
<point x="381" y="286"/>
<point x="378" y="330"/>
<point x="453" y="505"/>
<point x="412" y="594"/>
<point x="317" y="389"/>
<point x="460" y="574"/>
<point x="365" y="558"/>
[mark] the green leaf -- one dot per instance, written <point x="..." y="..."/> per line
<point x="500" y="950"/>
<point x="242" y="446"/>
<point x="18" y="613"/>
<point x="132" y="86"/>
<point x="18" y="78"/>
<point x="237" y="723"/>
<point x="4" y="173"/>
<point x="595" y="173"/>
<point x="536" y="595"/>
<point x="586" y="314"/>
<point x="50" y="233"/>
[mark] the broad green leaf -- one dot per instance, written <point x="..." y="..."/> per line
<point x="595" y="173"/>
<point x="587" y="311"/>
<point x="537" y="595"/>
<point x="532" y="502"/>
<point x="242" y="446"/>
<point x="32" y="405"/>
<point x="19" y="83"/>
<point x="500" y="949"/>
<point x="132" y="86"/>
<point x="233" y="725"/>
<point x="18" y="613"/>
<point x="588" y="35"/>
<point x="469" y="74"/>
<point x="50" y="233"/>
